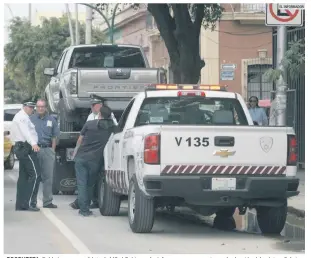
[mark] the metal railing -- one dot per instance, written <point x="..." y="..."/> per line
<point x="253" y="8"/>
<point x="295" y="101"/>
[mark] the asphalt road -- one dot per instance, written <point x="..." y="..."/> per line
<point x="62" y="230"/>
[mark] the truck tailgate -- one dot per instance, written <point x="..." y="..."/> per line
<point x="226" y="150"/>
<point x="114" y="82"/>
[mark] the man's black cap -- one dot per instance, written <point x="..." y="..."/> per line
<point x="95" y="99"/>
<point x="31" y="102"/>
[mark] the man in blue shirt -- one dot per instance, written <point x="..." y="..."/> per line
<point x="47" y="130"/>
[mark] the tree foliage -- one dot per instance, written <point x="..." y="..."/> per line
<point x="180" y="26"/>
<point x="33" y="48"/>
<point x="293" y="62"/>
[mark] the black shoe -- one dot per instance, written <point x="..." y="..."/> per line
<point x="94" y="206"/>
<point x="33" y="209"/>
<point x="50" y="206"/>
<point x="86" y="214"/>
<point x="74" y="206"/>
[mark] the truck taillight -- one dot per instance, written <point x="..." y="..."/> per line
<point x="291" y="150"/>
<point x="73" y="83"/>
<point x="152" y="149"/>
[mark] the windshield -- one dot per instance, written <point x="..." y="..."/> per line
<point x="107" y="57"/>
<point x="9" y="114"/>
<point x="191" y="111"/>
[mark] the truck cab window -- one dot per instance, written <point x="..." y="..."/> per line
<point x="124" y="116"/>
<point x="61" y="62"/>
<point x="107" y="57"/>
<point x="191" y="111"/>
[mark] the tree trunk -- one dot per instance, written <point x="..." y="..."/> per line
<point x="181" y="38"/>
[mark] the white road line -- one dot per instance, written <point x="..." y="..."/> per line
<point x="71" y="237"/>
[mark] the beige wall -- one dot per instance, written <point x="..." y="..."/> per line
<point x="210" y="54"/>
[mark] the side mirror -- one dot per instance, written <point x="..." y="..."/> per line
<point x="6" y="133"/>
<point x="49" y="71"/>
<point x="255" y="123"/>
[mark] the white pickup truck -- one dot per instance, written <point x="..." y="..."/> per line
<point x="197" y="146"/>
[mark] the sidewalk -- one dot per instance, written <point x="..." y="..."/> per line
<point x="296" y="205"/>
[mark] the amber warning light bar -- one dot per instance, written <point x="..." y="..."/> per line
<point x="185" y="87"/>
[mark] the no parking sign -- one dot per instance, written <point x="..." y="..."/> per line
<point x="284" y="14"/>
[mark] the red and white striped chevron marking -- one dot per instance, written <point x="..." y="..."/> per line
<point x="223" y="170"/>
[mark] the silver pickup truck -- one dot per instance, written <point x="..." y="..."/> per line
<point x="115" y="72"/>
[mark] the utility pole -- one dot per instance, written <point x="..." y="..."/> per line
<point x="70" y="25"/>
<point x="77" y="25"/>
<point x="281" y="85"/>
<point x="29" y="13"/>
<point x="88" y="25"/>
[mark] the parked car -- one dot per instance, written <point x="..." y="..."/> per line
<point x="9" y="158"/>
<point x="10" y="111"/>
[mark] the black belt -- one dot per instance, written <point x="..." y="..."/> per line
<point x="45" y="145"/>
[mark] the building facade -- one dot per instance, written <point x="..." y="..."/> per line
<point x="237" y="53"/>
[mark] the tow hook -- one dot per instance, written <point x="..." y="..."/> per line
<point x="242" y="210"/>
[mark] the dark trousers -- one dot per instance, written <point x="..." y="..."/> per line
<point x="94" y="198"/>
<point x="29" y="176"/>
<point x="86" y="174"/>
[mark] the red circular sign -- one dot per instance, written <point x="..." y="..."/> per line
<point x="290" y="14"/>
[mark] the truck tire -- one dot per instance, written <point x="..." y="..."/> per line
<point x="141" y="209"/>
<point x="109" y="202"/>
<point x="55" y="191"/>
<point x="9" y="163"/>
<point x="271" y="220"/>
<point x="224" y="219"/>
<point x="69" y="192"/>
<point x="64" y="125"/>
<point x="226" y="212"/>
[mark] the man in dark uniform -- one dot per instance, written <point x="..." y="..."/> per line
<point x="97" y="102"/>
<point x="26" y="148"/>
<point x="88" y="157"/>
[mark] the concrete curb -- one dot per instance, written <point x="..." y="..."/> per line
<point x="297" y="212"/>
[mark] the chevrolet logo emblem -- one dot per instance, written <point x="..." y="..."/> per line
<point x="223" y="153"/>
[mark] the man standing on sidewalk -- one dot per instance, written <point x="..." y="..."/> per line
<point x="47" y="130"/>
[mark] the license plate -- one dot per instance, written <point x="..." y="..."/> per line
<point x="223" y="184"/>
<point x="69" y="154"/>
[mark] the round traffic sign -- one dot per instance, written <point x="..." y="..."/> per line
<point x="289" y="13"/>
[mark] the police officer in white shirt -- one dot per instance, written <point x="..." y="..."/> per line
<point x="96" y="105"/>
<point x="26" y="147"/>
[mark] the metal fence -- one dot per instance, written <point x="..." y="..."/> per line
<point x="296" y="94"/>
<point x="257" y="83"/>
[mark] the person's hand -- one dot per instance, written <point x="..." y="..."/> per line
<point x="35" y="148"/>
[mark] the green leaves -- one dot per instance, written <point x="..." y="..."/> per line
<point x="33" y="48"/>
<point x="293" y="62"/>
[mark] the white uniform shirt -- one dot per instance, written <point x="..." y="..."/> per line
<point x="23" y="129"/>
<point x="93" y="116"/>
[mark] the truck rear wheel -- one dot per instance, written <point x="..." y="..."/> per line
<point x="64" y="125"/>
<point x="224" y="219"/>
<point x="271" y="220"/>
<point x="109" y="202"/>
<point x="141" y="210"/>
